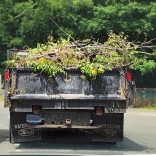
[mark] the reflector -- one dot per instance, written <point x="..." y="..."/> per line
<point x="33" y="118"/>
<point x="6" y="75"/>
<point x="128" y="76"/>
<point x="99" y="110"/>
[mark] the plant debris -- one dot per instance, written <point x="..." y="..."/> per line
<point x="90" y="56"/>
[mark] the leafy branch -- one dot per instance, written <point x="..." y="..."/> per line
<point x="90" y="56"/>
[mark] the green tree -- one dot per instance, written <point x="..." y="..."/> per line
<point x="27" y="22"/>
<point x="30" y="21"/>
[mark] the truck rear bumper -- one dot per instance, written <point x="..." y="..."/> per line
<point x="68" y="97"/>
<point x="106" y="128"/>
<point x="73" y="126"/>
<point x="55" y="117"/>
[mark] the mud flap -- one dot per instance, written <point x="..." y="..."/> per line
<point x="20" y="130"/>
<point x="112" y="127"/>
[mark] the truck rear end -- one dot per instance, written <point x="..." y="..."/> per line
<point x="66" y="106"/>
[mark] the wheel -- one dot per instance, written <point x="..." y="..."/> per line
<point x="11" y="138"/>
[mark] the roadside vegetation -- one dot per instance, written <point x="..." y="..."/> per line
<point x="149" y="107"/>
<point x="89" y="56"/>
<point x="1" y="98"/>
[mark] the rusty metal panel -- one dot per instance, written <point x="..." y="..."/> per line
<point x="28" y="85"/>
<point x="29" y="82"/>
<point x="111" y="106"/>
<point x="58" y="117"/>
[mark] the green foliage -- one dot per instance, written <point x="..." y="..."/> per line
<point x="1" y="98"/>
<point x="92" y="58"/>
<point x="146" y="80"/>
<point x="144" y="65"/>
<point x="28" y="22"/>
<point x="2" y="60"/>
<point x="151" y="107"/>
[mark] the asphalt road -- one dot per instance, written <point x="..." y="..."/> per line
<point x="139" y="138"/>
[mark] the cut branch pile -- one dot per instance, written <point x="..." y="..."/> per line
<point x="90" y="56"/>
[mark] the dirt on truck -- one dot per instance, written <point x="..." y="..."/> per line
<point x="46" y="108"/>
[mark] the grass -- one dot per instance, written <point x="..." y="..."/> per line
<point x="152" y="107"/>
<point x="146" y="108"/>
<point x="1" y="98"/>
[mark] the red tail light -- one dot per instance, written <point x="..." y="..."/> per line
<point x="128" y="76"/>
<point x="6" y="75"/>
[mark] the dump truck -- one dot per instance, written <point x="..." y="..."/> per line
<point x="64" y="107"/>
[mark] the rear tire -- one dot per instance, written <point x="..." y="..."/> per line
<point x="11" y="138"/>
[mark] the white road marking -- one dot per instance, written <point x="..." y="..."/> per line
<point x="18" y="150"/>
<point x="16" y="144"/>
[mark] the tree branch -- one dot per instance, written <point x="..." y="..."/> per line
<point x="19" y="15"/>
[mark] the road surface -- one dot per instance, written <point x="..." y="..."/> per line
<point x="139" y="138"/>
